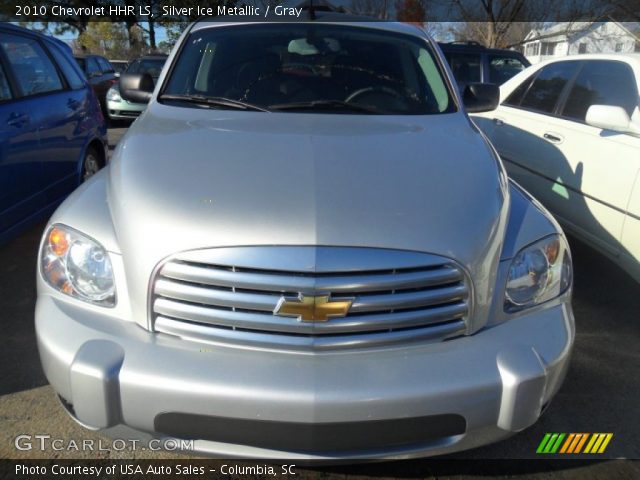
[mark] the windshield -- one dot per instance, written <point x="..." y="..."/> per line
<point x="152" y="66"/>
<point x="319" y="67"/>
<point x="119" y="66"/>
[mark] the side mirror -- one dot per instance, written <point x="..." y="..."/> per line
<point x="136" y="87"/>
<point x="609" y="117"/>
<point x="481" y="97"/>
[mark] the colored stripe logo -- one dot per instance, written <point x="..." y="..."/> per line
<point x="592" y="443"/>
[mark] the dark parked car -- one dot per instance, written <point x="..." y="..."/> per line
<point x="119" y="66"/>
<point x="474" y="63"/>
<point x="101" y="75"/>
<point x="52" y="133"/>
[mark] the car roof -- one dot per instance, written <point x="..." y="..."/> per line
<point x="463" y="45"/>
<point x="476" y="47"/>
<point x="18" y="29"/>
<point x="321" y="16"/>
<point x="633" y="57"/>
<point x="41" y="36"/>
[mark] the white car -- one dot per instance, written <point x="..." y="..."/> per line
<point x="568" y="130"/>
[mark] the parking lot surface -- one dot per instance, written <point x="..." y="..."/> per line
<point x="600" y="393"/>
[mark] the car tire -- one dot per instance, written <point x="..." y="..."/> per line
<point x="91" y="164"/>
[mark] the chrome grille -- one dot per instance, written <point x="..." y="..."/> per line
<point x="229" y="295"/>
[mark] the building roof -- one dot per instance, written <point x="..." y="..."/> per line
<point x="564" y="30"/>
<point x="632" y="27"/>
<point x="560" y="30"/>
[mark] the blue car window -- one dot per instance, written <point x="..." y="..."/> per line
<point x="93" y="69"/>
<point x="33" y="69"/>
<point x="5" y="91"/>
<point x="73" y="77"/>
<point x="466" y="67"/>
<point x="105" y="66"/>
<point x="503" y="67"/>
<point x="134" y="67"/>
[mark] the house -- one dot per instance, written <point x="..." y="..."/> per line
<point x="573" y="38"/>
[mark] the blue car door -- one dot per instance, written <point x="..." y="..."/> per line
<point x="63" y="132"/>
<point x="20" y="165"/>
<point x="57" y="109"/>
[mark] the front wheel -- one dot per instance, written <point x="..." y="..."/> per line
<point x="90" y="164"/>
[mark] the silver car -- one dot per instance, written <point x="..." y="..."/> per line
<point x="120" y="109"/>
<point x="304" y="248"/>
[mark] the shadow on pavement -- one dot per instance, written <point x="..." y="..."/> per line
<point x="19" y="360"/>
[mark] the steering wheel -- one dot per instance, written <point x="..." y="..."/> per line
<point x="372" y="91"/>
<point x="304" y="67"/>
<point x="261" y="78"/>
<point x="252" y="87"/>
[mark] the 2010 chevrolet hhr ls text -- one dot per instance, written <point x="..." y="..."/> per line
<point x="304" y="248"/>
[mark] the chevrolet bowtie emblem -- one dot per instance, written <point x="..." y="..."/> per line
<point x="313" y="308"/>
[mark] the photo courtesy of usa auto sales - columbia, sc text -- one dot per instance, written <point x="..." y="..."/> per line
<point x="154" y="469"/>
<point x="305" y="249"/>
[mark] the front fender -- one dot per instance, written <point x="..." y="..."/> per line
<point x="87" y="210"/>
<point x="528" y="222"/>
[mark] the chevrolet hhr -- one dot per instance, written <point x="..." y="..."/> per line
<point x="304" y="248"/>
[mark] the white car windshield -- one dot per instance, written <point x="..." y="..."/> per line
<point x="310" y="67"/>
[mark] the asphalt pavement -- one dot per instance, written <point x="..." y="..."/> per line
<point x="600" y="393"/>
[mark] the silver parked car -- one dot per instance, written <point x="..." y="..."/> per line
<point x="304" y="248"/>
<point x="120" y="109"/>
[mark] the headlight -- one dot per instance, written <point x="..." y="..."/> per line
<point x="78" y="266"/>
<point x="113" y="95"/>
<point x="540" y="272"/>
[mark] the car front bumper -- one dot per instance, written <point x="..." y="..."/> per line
<point x="124" y="110"/>
<point x="400" y="402"/>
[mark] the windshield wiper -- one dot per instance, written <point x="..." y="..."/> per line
<point x="325" y="105"/>
<point x="212" y="101"/>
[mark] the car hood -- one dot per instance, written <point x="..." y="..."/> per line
<point x="188" y="178"/>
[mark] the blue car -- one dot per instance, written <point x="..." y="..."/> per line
<point x="52" y="132"/>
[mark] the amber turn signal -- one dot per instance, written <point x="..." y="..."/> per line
<point x="58" y="242"/>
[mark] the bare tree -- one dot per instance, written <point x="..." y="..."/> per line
<point x="501" y="35"/>
<point x="149" y="22"/>
<point x="370" y="8"/>
<point x="262" y="3"/>
<point x="410" y="11"/>
<point x="625" y="10"/>
<point x="436" y="30"/>
<point x="490" y="21"/>
<point x="504" y="23"/>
